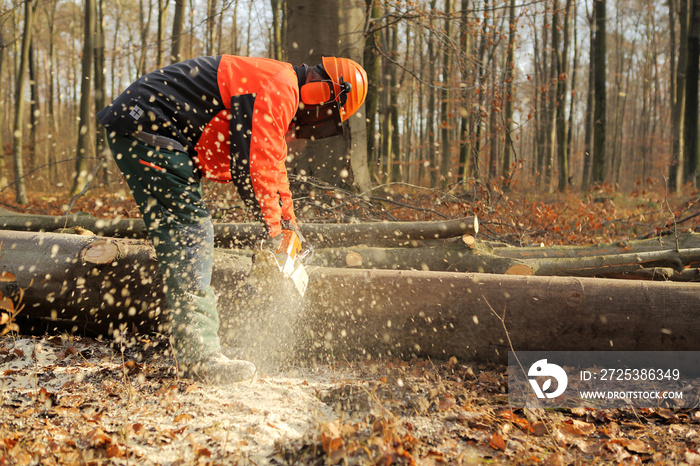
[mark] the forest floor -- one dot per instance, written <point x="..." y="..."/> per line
<point x="77" y="400"/>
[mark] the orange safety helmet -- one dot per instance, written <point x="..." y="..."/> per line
<point x="344" y="70"/>
<point x="347" y="86"/>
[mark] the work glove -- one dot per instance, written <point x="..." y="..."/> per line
<point x="307" y="250"/>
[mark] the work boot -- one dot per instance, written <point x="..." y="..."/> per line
<point x="217" y="369"/>
<point x="234" y="353"/>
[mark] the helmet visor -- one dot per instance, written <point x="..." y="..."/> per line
<point x="318" y="121"/>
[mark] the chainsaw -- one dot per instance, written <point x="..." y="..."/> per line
<point x="284" y="264"/>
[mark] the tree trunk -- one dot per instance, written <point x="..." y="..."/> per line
<point x="386" y="155"/>
<point x="83" y="149"/>
<point x="587" y="175"/>
<point x="3" y="164"/>
<point x="101" y="147"/>
<point x="563" y="79"/>
<point x="162" y="16"/>
<point x="373" y="66"/>
<point x="276" y="38"/>
<point x="509" y="96"/>
<point x="445" y="165"/>
<point x="477" y="125"/>
<point x="53" y="118"/>
<point x="553" y="110"/>
<point x="432" y="110"/>
<point x="18" y="127"/>
<point x="34" y="108"/>
<point x="465" y="47"/>
<point x="211" y="18"/>
<point x="573" y="100"/>
<point x="341" y="161"/>
<point x="691" y="172"/>
<point x="145" y="25"/>
<point x="178" y="26"/>
<point x="678" y="99"/>
<point x="599" y="78"/>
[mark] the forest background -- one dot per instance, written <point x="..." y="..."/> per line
<point x="550" y="95"/>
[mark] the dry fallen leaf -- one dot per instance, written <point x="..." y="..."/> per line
<point x="497" y="442"/>
<point x="539" y="429"/>
<point x="183" y="417"/>
<point x="446" y="402"/>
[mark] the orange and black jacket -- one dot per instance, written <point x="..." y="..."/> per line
<point x="231" y="114"/>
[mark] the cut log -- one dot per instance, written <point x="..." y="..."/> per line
<point x="86" y="282"/>
<point x="242" y="234"/>
<point x="455" y="257"/>
<point x="441" y="314"/>
<point x="659" y="274"/>
<point x="351" y="312"/>
<point x="589" y="266"/>
<point x="686" y="240"/>
<point x="458" y="256"/>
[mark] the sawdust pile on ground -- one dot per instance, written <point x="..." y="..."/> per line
<point x="67" y="400"/>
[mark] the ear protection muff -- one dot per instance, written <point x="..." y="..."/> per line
<point x="315" y="93"/>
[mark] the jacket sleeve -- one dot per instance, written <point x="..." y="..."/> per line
<point x="274" y="108"/>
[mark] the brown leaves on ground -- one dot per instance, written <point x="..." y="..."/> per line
<point x="421" y="412"/>
<point x="77" y="401"/>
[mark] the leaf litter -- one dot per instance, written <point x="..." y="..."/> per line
<point x="73" y="400"/>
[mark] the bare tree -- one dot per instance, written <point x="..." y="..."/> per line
<point x="445" y="163"/>
<point x="162" y="16"/>
<point x="373" y="66"/>
<point x="590" y="104"/>
<point x="276" y="36"/>
<point x="102" y="149"/>
<point x="465" y="45"/>
<point x="430" y="124"/>
<point x="691" y="171"/>
<point x="599" y="77"/>
<point x="508" y="96"/>
<point x="678" y="91"/>
<point x="178" y="26"/>
<point x="17" y="153"/>
<point x="83" y="149"/>
<point x="3" y="166"/>
<point x="211" y="18"/>
<point x="562" y="59"/>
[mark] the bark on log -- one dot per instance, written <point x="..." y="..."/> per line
<point x="455" y="258"/>
<point x="659" y="274"/>
<point x="614" y="263"/>
<point x="241" y="234"/>
<point x="441" y="314"/>
<point x="686" y="240"/>
<point x="86" y="282"/>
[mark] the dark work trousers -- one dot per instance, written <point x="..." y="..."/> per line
<point x="166" y="188"/>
